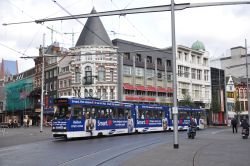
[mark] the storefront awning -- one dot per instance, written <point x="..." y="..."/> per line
<point x="140" y="98"/>
<point x="169" y="90"/>
<point x="150" y="98"/>
<point x="128" y="86"/>
<point x="151" y="89"/>
<point x="140" y="87"/>
<point x="160" y="89"/>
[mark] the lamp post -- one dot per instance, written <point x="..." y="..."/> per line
<point x="175" y="108"/>
<point x="248" y="99"/>
<point x="42" y="86"/>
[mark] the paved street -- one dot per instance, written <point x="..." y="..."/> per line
<point x="16" y="136"/>
<point x="213" y="146"/>
<point x="219" y="147"/>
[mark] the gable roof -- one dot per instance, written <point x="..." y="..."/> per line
<point x="93" y="33"/>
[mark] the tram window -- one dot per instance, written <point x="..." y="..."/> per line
<point x="127" y="113"/>
<point x="120" y="113"/>
<point x="115" y="114"/>
<point x="87" y="112"/>
<point x="77" y="112"/>
<point x="183" y="115"/>
<point x="158" y="114"/>
<point x="147" y="113"/>
<point x="109" y="113"/>
<point x="98" y="112"/>
<point x="162" y="115"/>
<point x="141" y="114"/>
<point x="62" y="112"/>
<point x="154" y="115"/>
<point x="93" y="115"/>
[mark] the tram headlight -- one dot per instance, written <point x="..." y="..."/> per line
<point x="64" y="128"/>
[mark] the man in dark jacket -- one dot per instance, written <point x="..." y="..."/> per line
<point x="234" y="124"/>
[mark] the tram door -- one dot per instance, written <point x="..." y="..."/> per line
<point x="130" y="121"/>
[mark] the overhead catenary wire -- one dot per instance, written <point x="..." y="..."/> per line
<point x="102" y="53"/>
<point x="90" y="31"/>
<point x="24" y="12"/>
<point x="34" y="36"/>
<point x="82" y="23"/>
<point x="14" y="50"/>
<point x="132" y="23"/>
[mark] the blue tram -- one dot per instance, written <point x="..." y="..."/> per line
<point x="78" y="117"/>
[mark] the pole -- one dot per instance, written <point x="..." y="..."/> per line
<point x="155" y="80"/>
<point x="42" y="86"/>
<point x="248" y="103"/>
<point x="175" y="109"/>
<point x="226" y="107"/>
<point x="120" y="77"/>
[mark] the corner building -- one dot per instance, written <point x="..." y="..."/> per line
<point x="93" y="64"/>
<point x="115" y="70"/>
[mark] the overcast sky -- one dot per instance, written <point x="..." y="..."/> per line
<point x="219" y="28"/>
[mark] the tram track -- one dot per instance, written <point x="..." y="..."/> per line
<point x="132" y="148"/>
<point x="126" y="152"/>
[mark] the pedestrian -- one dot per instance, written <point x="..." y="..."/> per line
<point x="245" y="124"/>
<point x="28" y="122"/>
<point x="25" y="121"/>
<point x="234" y="124"/>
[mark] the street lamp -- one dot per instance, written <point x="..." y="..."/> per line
<point x="248" y="99"/>
<point x="42" y="86"/>
<point x="175" y="108"/>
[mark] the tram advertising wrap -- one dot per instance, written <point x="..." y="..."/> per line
<point x="78" y="117"/>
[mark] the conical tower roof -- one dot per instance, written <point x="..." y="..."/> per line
<point x="93" y="33"/>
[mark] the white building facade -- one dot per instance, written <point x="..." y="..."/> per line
<point x="90" y="69"/>
<point x="193" y="74"/>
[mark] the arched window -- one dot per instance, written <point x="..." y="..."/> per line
<point x="101" y="73"/>
<point x="91" y="93"/>
<point x="88" y="75"/>
<point x="86" y="93"/>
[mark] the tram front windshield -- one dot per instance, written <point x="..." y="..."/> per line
<point x="62" y="112"/>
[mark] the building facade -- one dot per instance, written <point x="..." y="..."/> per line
<point x="19" y="102"/>
<point x="146" y="73"/>
<point x="8" y="69"/>
<point x="90" y="70"/>
<point x="234" y="63"/>
<point x="193" y="74"/>
<point x="218" y="115"/>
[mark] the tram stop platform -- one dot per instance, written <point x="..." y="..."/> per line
<point x="211" y="147"/>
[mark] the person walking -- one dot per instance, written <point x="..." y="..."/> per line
<point x="234" y="125"/>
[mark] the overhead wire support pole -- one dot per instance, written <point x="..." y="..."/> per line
<point x="248" y="101"/>
<point x="42" y="86"/>
<point x="175" y="108"/>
